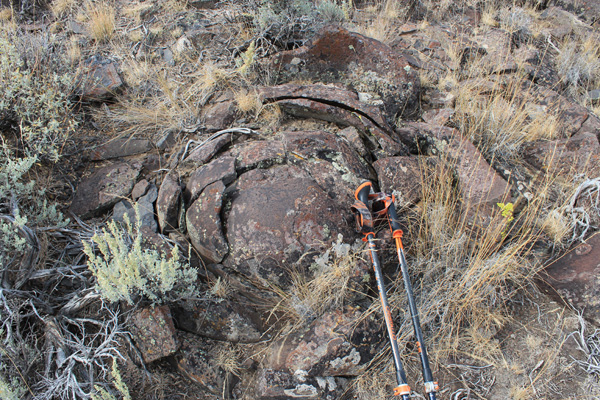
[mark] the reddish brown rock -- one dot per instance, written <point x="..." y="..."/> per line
<point x="99" y="79"/>
<point x="367" y="65"/>
<point x="220" y="169"/>
<point x="204" y="153"/>
<point x="153" y="331"/>
<point x="219" y="116"/>
<point x="577" y="155"/>
<point x="481" y="187"/>
<point x="221" y="319"/>
<point x="104" y="188"/>
<point x="167" y="204"/>
<point x="203" y="221"/>
<point x="591" y="125"/>
<point x="353" y="137"/>
<point x="276" y="216"/>
<point x="257" y="154"/>
<point x="331" y="346"/>
<point x="570" y="115"/>
<point x="438" y="116"/>
<point x="575" y="278"/>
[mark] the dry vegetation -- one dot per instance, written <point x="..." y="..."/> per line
<point x="468" y="281"/>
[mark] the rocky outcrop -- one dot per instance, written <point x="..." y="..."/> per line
<point x="363" y="63"/>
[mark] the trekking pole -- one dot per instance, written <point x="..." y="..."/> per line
<point x="431" y="387"/>
<point x="364" y="224"/>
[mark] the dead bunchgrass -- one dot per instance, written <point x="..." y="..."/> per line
<point x="61" y="8"/>
<point x="384" y="16"/>
<point x="578" y="65"/>
<point x="101" y="20"/>
<point x="247" y="101"/>
<point x="327" y="288"/>
<point x="5" y="14"/>
<point x="497" y="117"/>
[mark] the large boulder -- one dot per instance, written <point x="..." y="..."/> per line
<point x="276" y="216"/>
<point x="336" y="55"/>
<point x="277" y="212"/>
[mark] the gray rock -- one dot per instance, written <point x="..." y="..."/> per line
<point x="221" y="319"/>
<point x="104" y="188"/>
<point x="118" y="148"/>
<point x="146" y="208"/>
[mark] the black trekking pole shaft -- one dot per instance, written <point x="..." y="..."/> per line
<point x="402" y="389"/>
<point x="430" y="385"/>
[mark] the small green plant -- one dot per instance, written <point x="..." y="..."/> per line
<point x="507" y="211"/>
<point x="11" y="390"/>
<point x="124" y="270"/>
<point x="35" y="97"/>
<point x="117" y="382"/>
<point x="23" y="205"/>
<point x="246" y="59"/>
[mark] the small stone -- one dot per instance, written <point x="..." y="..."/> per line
<point x="140" y="189"/>
<point x="99" y="79"/>
<point x="154" y="333"/>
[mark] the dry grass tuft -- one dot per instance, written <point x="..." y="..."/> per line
<point x="61" y="7"/>
<point x="101" y="21"/>
<point x="500" y="123"/>
<point x="578" y="65"/>
<point x="247" y="101"/>
<point x="310" y="297"/>
<point x="5" y="14"/>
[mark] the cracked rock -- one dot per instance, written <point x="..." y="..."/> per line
<point x="203" y="223"/>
